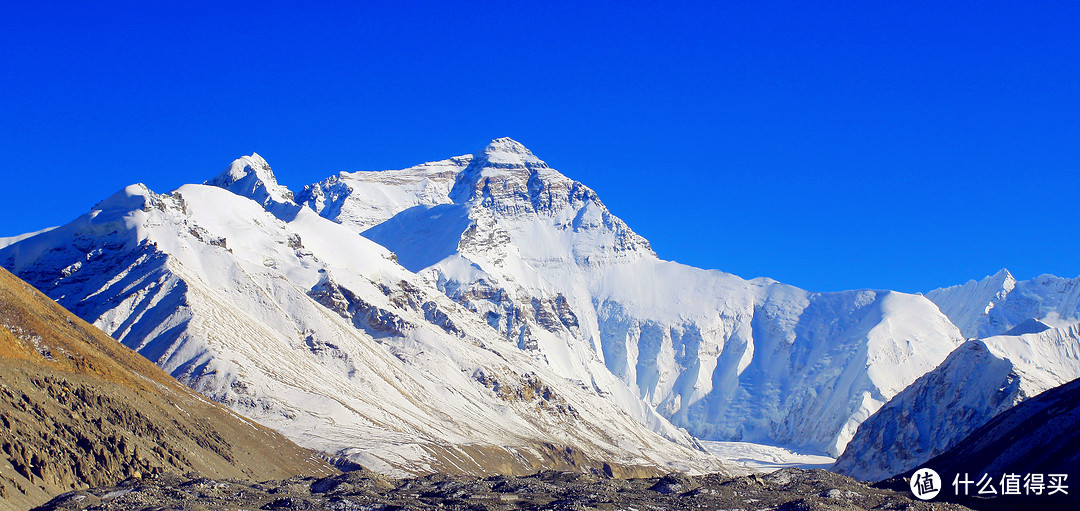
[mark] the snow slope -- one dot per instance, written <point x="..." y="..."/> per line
<point x="978" y="381"/>
<point x="15" y="239"/>
<point x="384" y="193"/>
<point x="539" y="257"/>
<point x="997" y="303"/>
<point x="306" y="327"/>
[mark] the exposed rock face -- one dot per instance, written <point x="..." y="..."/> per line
<point x="77" y="409"/>
<point x="789" y="489"/>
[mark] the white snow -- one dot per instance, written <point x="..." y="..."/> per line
<point x="997" y="303"/>
<point x="365" y="199"/>
<point x="765" y="458"/>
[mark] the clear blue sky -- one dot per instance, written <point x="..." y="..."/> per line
<point x="899" y="145"/>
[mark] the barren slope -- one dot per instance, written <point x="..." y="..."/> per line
<point x="79" y="409"/>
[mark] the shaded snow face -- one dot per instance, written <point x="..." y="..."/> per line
<point x="541" y="260"/>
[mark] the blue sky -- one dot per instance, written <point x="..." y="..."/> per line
<point x="830" y="145"/>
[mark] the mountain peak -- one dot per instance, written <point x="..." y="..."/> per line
<point x="1003" y="280"/>
<point x="1003" y="274"/>
<point x="251" y="176"/>
<point x="508" y="153"/>
<point x="507" y="144"/>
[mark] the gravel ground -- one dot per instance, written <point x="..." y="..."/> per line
<point x="788" y="489"/>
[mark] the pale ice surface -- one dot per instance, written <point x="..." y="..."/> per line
<point x="766" y="458"/>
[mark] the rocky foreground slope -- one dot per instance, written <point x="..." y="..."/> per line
<point x="788" y="489"/>
<point x="78" y="409"/>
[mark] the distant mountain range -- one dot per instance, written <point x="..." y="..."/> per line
<point x="486" y="313"/>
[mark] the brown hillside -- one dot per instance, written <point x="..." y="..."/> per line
<point x="79" y="409"/>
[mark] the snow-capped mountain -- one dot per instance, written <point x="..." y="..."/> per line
<point x="309" y="328"/>
<point x="485" y="312"/>
<point x="998" y="303"/>
<point x="978" y="381"/>
<point x="540" y="259"/>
